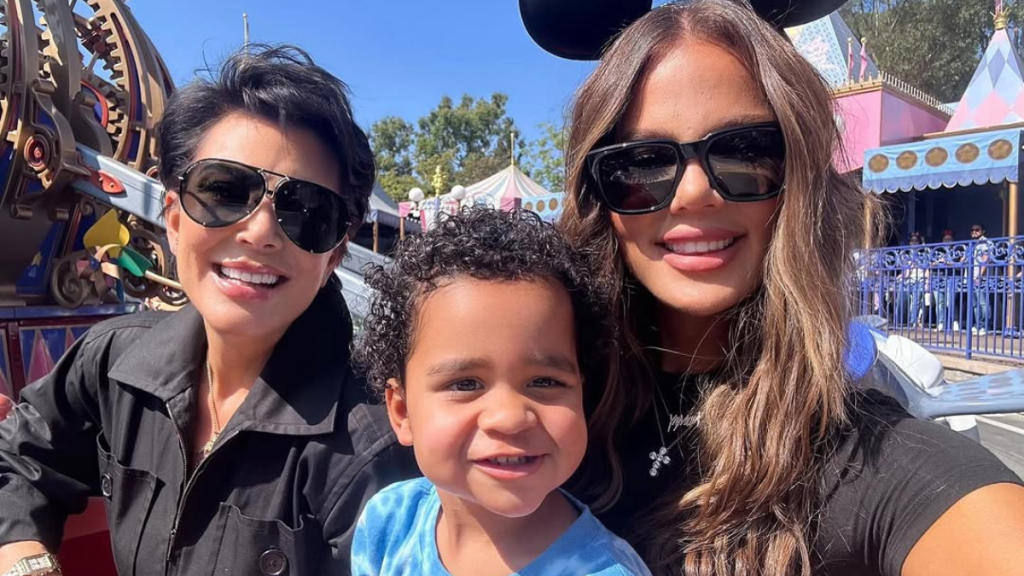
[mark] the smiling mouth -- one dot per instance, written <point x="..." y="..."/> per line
<point x="697" y="248"/>
<point x="511" y="460"/>
<point x="264" y="280"/>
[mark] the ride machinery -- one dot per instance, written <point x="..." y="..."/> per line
<point x="81" y="90"/>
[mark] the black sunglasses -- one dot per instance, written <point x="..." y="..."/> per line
<point x="744" y="164"/>
<point x="216" y="193"/>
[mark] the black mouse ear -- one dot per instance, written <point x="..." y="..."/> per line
<point x="786" y="13"/>
<point x="578" y="29"/>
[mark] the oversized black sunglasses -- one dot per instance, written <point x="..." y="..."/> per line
<point x="217" y="193"/>
<point x="744" y="164"/>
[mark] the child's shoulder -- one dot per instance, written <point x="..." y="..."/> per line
<point x="594" y="550"/>
<point x="401" y="497"/>
<point x="622" y="558"/>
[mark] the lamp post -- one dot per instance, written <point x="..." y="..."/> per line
<point x="415" y="196"/>
<point x="458" y="193"/>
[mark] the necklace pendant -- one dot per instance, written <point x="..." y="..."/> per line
<point x="660" y="458"/>
<point x="209" y="445"/>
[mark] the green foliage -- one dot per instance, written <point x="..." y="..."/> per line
<point x="934" y="45"/>
<point x="469" y="141"/>
<point x="545" y="162"/>
<point x="391" y="139"/>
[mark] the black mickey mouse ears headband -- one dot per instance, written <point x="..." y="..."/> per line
<point x="580" y="29"/>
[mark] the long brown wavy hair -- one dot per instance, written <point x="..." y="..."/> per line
<point x="778" y="406"/>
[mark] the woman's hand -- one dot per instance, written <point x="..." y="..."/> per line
<point x="6" y="405"/>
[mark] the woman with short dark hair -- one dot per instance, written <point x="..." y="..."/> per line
<point x="230" y="437"/>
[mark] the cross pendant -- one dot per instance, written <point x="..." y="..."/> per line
<point x="660" y="458"/>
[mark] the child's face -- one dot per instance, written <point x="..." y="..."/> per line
<point x="492" y="376"/>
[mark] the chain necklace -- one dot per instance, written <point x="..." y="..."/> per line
<point x="660" y="458"/>
<point x="213" y="412"/>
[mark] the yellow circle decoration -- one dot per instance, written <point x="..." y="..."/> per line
<point x="528" y="206"/>
<point x="1000" y="149"/>
<point x="936" y="157"/>
<point x="906" y="160"/>
<point x="967" y="153"/>
<point x="552" y="204"/>
<point x="878" y="163"/>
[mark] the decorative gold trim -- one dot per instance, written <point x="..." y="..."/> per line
<point x="1000" y="149"/>
<point x="906" y="160"/>
<point x="936" y="156"/>
<point x="967" y="153"/>
<point x="878" y="163"/>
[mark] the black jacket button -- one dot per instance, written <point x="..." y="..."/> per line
<point x="107" y="486"/>
<point x="273" y="563"/>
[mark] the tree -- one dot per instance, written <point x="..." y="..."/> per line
<point x="391" y="139"/>
<point x="546" y="162"/>
<point x="934" y="45"/>
<point x="469" y="141"/>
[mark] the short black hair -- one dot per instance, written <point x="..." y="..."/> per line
<point x="484" y="244"/>
<point x="280" y="84"/>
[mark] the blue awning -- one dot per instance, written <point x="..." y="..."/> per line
<point x="964" y="160"/>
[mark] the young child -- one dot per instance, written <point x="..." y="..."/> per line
<point x="487" y="337"/>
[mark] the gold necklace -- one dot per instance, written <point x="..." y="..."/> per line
<point x="213" y="411"/>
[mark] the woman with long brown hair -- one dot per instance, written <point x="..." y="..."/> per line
<point x="700" y="175"/>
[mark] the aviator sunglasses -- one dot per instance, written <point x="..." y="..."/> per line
<point x="216" y="193"/>
<point x="744" y="164"/>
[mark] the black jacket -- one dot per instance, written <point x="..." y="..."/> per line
<point x="279" y="494"/>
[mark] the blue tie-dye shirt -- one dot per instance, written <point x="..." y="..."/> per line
<point x="395" y="536"/>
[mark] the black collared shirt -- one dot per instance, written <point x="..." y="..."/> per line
<point x="281" y="491"/>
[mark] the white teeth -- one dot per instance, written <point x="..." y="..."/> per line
<point x="249" y="278"/>
<point x="699" y="247"/>
<point x="511" y="460"/>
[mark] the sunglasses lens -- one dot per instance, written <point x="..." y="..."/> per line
<point x="637" y="178"/>
<point x="314" y="218"/>
<point x="748" y="165"/>
<point x="217" y="194"/>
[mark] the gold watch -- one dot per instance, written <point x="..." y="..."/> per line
<point x="36" y="565"/>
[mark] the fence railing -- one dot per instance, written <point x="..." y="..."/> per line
<point x="961" y="297"/>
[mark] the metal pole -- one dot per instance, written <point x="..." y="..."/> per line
<point x="401" y="228"/>
<point x="1011" y="271"/>
<point x="376" y="235"/>
<point x="245" y="30"/>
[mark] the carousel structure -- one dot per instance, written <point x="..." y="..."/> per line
<point x="81" y="91"/>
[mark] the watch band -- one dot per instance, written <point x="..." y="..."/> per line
<point x="35" y="565"/>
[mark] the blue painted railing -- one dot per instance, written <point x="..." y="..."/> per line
<point x="960" y="297"/>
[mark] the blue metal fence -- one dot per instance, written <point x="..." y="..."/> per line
<point x="960" y="297"/>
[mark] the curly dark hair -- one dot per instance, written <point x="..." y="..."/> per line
<point x="484" y="244"/>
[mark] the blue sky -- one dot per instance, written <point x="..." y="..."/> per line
<point x="399" y="57"/>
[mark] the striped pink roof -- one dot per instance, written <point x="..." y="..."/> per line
<point x="506" y="185"/>
<point x="995" y="95"/>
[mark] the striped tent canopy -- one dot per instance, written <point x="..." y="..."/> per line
<point x="501" y="190"/>
<point x="507" y="190"/>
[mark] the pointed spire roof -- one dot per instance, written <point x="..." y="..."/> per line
<point x="995" y="95"/>
<point x="826" y="43"/>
